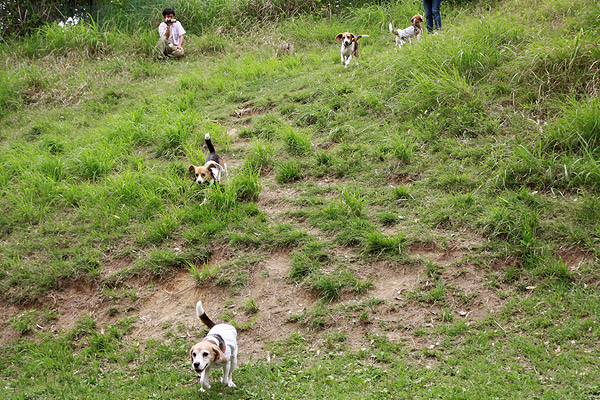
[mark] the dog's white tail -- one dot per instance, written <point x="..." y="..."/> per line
<point x="202" y="315"/>
<point x="392" y="30"/>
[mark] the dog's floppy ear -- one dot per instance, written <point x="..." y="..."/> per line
<point x="339" y="37"/>
<point x="353" y="36"/>
<point x="192" y="168"/>
<point x="218" y="356"/>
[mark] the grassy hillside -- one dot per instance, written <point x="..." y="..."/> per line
<point x="422" y="224"/>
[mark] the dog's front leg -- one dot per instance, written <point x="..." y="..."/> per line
<point x="227" y="371"/>
<point x="348" y="61"/>
<point x="225" y="378"/>
<point x="204" y="385"/>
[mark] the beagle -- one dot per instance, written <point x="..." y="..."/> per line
<point x="349" y="46"/>
<point x="405" y="35"/>
<point x="212" y="170"/>
<point x="218" y="348"/>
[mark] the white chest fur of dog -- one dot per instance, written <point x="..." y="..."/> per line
<point x="349" y="46"/>
<point x="217" y="349"/>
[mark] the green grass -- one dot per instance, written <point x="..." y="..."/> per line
<point x="480" y="144"/>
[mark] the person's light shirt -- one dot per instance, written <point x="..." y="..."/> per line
<point x="176" y="31"/>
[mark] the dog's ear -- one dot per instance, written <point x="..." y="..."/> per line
<point x="192" y="354"/>
<point x="339" y="37"/>
<point x="353" y="36"/>
<point x="192" y="168"/>
<point x="218" y="356"/>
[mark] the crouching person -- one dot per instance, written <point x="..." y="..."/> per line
<point x="171" y="34"/>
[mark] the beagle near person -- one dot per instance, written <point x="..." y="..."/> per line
<point x="214" y="167"/>
<point x="218" y="349"/>
<point x="349" y="46"/>
<point x="407" y="34"/>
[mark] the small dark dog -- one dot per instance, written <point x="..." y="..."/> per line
<point x="285" y="49"/>
<point x="214" y="167"/>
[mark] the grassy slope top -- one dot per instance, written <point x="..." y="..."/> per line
<point x="428" y="217"/>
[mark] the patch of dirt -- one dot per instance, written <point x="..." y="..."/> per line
<point x="248" y="110"/>
<point x="172" y="306"/>
<point x="274" y="202"/>
<point x="575" y="257"/>
<point x="112" y="266"/>
<point x="431" y="251"/>
<point x="166" y="308"/>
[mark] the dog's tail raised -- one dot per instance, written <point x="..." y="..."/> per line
<point x="361" y="36"/>
<point x="202" y="315"/>
<point x="392" y="30"/>
<point x="209" y="144"/>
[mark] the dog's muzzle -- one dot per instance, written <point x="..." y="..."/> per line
<point x="197" y="368"/>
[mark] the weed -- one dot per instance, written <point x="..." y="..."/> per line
<point x="329" y="288"/>
<point x="251" y="306"/>
<point x="161" y="261"/>
<point x="401" y="192"/>
<point x="297" y="143"/>
<point x="402" y="148"/>
<point x="203" y="273"/>
<point x="246" y="186"/>
<point x="388" y="218"/>
<point x="353" y="201"/>
<point x="260" y="156"/>
<point x="379" y="243"/>
<point x="288" y="171"/>
<point x="24" y="322"/>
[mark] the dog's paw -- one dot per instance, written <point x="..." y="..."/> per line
<point x="231" y="384"/>
<point x="202" y="389"/>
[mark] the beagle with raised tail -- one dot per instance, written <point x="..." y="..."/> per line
<point x="218" y="349"/>
<point x="407" y="34"/>
<point x="349" y="47"/>
<point x="214" y="167"/>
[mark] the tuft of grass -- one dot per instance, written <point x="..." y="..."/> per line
<point x="353" y="201"/>
<point x="329" y="288"/>
<point x="401" y="192"/>
<point x="288" y="171"/>
<point x="296" y="143"/>
<point x="202" y="274"/>
<point x="24" y="322"/>
<point x="379" y="243"/>
<point x="251" y="306"/>
<point x="260" y="156"/>
<point x="388" y="218"/>
<point x="246" y="186"/>
<point x="403" y="148"/>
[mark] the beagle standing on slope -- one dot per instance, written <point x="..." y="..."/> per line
<point x="349" y="46"/>
<point x="218" y="348"/>
<point x="212" y="169"/>
<point x="407" y="34"/>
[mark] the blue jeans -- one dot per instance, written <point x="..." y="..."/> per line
<point x="432" y="13"/>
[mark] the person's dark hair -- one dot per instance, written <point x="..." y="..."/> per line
<point x="168" y="11"/>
